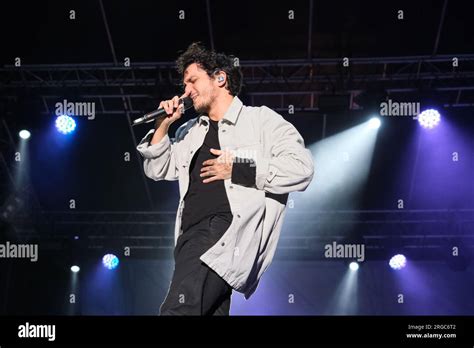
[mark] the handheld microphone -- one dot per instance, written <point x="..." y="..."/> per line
<point x="187" y="103"/>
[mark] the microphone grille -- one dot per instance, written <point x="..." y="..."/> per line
<point x="187" y="102"/>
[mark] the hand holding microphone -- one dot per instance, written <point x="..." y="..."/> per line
<point x="168" y="111"/>
<point x="173" y="108"/>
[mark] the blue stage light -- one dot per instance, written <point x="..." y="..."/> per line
<point x="110" y="261"/>
<point x="65" y="124"/>
<point x="429" y="118"/>
<point x="398" y="262"/>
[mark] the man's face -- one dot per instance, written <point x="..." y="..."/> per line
<point x="201" y="88"/>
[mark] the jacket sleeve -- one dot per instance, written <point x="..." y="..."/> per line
<point x="290" y="167"/>
<point x="160" y="160"/>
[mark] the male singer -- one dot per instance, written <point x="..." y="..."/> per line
<point x="236" y="165"/>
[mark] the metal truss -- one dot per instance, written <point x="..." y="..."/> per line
<point x="277" y="83"/>
<point x="423" y="233"/>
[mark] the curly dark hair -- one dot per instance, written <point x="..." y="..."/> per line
<point x="212" y="62"/>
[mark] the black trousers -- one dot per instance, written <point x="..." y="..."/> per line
<point x="195" y="288"/>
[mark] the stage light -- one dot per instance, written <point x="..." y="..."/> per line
<point x="429" y="118"/>
<point x="398" y="261"/>
<point x="374" y="123"/>
<point x="354" y="266"/>
<point x="110" y="261"/>
<point x="65" y="124"/>
<point x="24" y="134"/>
<point x="75" y="269"/>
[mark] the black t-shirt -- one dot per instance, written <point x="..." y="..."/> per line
<point x="204" y="199"/>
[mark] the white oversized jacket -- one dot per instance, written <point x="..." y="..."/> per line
<point x="283" y="165"/>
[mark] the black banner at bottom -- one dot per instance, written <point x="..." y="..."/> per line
<point x="288" y="330"/>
